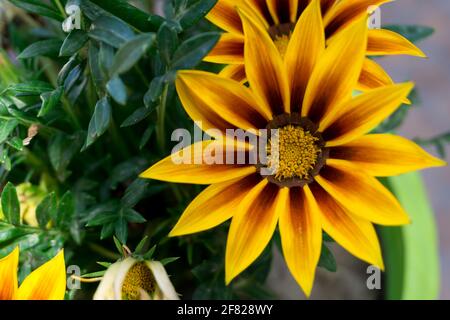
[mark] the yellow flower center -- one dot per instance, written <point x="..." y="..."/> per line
<point x="281" y="34"/>
<point x="138" y="277"/>
<point x="294" y="153"/>
<point x="282" y="42"/>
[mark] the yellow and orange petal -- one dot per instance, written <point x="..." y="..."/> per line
<point x="8" y="275"/>
<point x="48" y="282"/>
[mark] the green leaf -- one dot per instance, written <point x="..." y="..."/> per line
<point x="49" y="101"/>
<point x="96" y="72"/>
<point x="73" y="43"/>
<point x="411" y="252"/>
<point x="121" y="230"/>
<point x="413" y="33"/>
<point x="141" y="245"/>
<point x="104" y="264"/>
<point x="166" y="261"/>
<point x="191" y="52"/>
<point x="111" y="31"/>
<point x="97" y="274"/>
<point x="48" y="48"/>
<point x="38" y="7"/>
<point x="30" y="88"/>
<point x="327" y="259"/>
<point x="61" y="150"/>
<point x="130" y="53"/>
<point x="72" y="78"/>
<point x="100" y="121"/>
<point x="102" y="218"/>
<point x="130" y="14"/>
<point x="16" y="143"/>
<point x="146" y="136"/>
<point x="134" y="193"/>
<point x="196" y="12"/>
<point x="118" y="244"/>
<point x="107" y="231"/>
<point x="10" y="204"/>
<point x="62" y="75"/>
<point x="137" y="116"/>
<point x="46" y="210"/>
<point x="133" y="216"/>
<point x="154" y="91"/>
<point x="167" y="39"/>
<point x="6" y="128"/>
<point x="117" y="90"/>
<point x="66" y="210"/>
<point x="149" y="254"/>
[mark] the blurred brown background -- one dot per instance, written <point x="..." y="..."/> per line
<point x="432" y="78"/>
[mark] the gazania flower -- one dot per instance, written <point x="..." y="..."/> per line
<point x="327" y="160"/>
<point x="48" y="282"/>
<point x="132" y="279"/>
<point x="279" y="17"/>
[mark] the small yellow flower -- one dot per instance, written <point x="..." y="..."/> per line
<point x="132" y="279"/>
<point x="330" y="183"/>
<point x="279" y="17"/>
<point x="48" y="282"/>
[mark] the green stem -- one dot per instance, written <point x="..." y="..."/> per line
<point x="103" y="251"/>
<point x="68" y="109"/>
<point x="142" y="76"/>
<point x="160" y="127"/>
<point x="60" y="8"/>
<point x="118" y="141"/>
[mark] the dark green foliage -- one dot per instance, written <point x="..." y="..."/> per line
<point x="83" y="114"/>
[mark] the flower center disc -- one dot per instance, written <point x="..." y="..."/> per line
<point x="281" y="34"/>
<point x="295" y="151"/>
<point x="138" y="277"/>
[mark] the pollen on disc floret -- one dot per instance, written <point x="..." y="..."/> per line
<point x="295" y="152"/>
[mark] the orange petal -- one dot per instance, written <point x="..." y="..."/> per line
<point x="336" y="73"/>
<point x="385" y="42"/>
<point x="373" y="76"/>
<point x="283" y="11"/>
<point x="215" y="205"/>
<point x="346" y="12"/>
<point x="218" y="102"/>
<point x="361" y="194"/>
<point x="326" y="5"/>
<point x="305" y="47"/>
<point x="252" y="226"/>
<point x="260" y="8"/>
<point x="356" y="117"/>
<point x="354" y="234"/>
<point x="8" y="275"/>
<point x="235" y="72"/>
<point x="301" y="236"/>
<point x="48" y="282"/>
<point x="264" y="67"/>
<point x="229" y="50"/>
<point x="196" y="165"/>
<point x="383" y="155"/>
<point x="225" y="16"/>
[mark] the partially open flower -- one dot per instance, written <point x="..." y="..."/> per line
<point x="132" y="279"/>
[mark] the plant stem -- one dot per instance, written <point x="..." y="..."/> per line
<point x="103" y="251"/>
<point x="68" y="109"/>
<point x="60" y="8"/>
<point x="160" y="126"/>
<point x="119" y="143"/>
